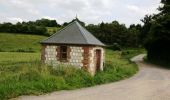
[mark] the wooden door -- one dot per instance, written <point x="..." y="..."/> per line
<point x="98" y="59"/>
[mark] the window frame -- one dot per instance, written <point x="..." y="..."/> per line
<point x="63" y="52"/>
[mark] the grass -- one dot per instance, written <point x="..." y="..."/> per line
<point x="25" y="75"/>
<point x="52" y="30"/>
<point x="131" y="52"/>
<point x="10" y="42"/>
<point x="9" y="58"/>
<point x="21" y="72"/>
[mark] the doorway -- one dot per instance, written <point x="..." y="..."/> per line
<point x="98" y="59"/>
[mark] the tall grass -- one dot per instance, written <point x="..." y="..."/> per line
<point x="34" y="78"/>
<point x="22" y="77"/>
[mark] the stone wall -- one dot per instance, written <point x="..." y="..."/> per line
<point x="51" y="55"/>
<point x="81" y="57"/>
<point x="75" y="56"/>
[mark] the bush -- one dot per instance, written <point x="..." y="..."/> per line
<point x="116" y="46"/>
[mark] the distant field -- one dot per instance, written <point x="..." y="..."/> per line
<point x="20" y="42"/>
<point x="52" y="30"/>
<point x="9" y="58"/>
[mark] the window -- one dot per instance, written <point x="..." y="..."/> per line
<point x="63" y="53"/>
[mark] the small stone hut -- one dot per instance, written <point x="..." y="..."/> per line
<point x="74" y="45"/>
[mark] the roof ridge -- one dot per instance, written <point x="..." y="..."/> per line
<point x="59" y="31"/>
<point x="82" y="33"/>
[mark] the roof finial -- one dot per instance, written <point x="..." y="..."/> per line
<point x="76" y="18"/>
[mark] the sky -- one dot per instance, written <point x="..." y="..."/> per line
<point x="89" y="11"/>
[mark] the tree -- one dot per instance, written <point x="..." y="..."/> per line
<point x="31" y="27"/>
<point x="6" y="27"/>
<point x="166" y="7"/>
<point x="158" y="38"/>
<point x="76" y="19"/>
<point x="46" y="23"/>
<point x="114" y="32"/>
<point x="145" y="29"/>
<point x="134" y="37"/>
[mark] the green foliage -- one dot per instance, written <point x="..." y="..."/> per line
<point x="23" y="28"/>
<point x="22" y="74"/>
<point x="46" y="23"/>
<point x="108" y="33"/>
<point x="116" y="46"/>
<point x="158" y="38"/>
<point x="38" y="27"/>
<point x="115" y="72"/>
<point x="114" y="32"/>
<point x="20" y="43"/>
<point x="134" y="37"/>
<point x="166" y="7"/>
<point x="117" y="67"/>
<point x="76" y="19"/>
<point x="145" y="29"/>
<point x="129" y="53"/>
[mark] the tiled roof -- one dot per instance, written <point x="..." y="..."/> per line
<point x="74" y="33"/>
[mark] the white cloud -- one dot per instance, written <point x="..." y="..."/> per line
<point x="90" y="11"/>
<point x="133" y="7"/>
<point x="33" y="11"/>
<point x="14" y="19"/>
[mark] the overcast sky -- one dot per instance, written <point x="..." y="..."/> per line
<point x="89" y="11"/>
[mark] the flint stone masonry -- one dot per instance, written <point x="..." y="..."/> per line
<point x="50" y="55"/>
<point x="80" y="57"/>
<point x="76" y="56"/>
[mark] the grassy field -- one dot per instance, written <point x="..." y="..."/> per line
<point x="131" y="52"/>
<point x="52" y="30"/>
<point x="9" y="58"/>
<point x="21" y="72"/>
<point x="20" y="42"/>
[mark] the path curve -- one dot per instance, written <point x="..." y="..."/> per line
<point x="150" y="83"/>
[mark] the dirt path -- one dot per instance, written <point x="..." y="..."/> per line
<point x="150" y="83"/>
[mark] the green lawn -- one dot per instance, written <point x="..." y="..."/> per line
<point x="20" y="42"/>
<point x="131" y="52"/>
<point x="52" y="30"/>
<point x="8" y="58"/>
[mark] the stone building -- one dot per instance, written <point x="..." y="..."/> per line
<point x="74" y="45"/>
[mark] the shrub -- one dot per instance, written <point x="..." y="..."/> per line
<point x="116" y="46"/>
